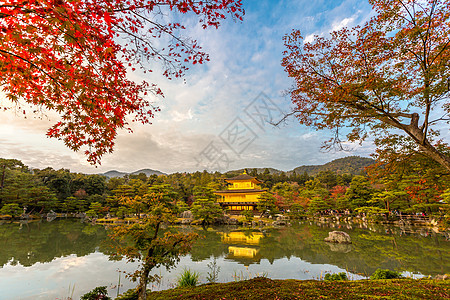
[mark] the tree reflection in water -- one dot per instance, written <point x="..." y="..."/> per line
<point x="381" y="247"/>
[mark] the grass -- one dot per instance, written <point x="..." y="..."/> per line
<point x="239" y="276"/>
<point x="188" y="278"/>
<point x="265" y="288"/>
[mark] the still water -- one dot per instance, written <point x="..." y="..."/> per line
<point x="67" y="258"/>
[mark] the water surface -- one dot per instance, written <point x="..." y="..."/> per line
<point x="55" y="260"/>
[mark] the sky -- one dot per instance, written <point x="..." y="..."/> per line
<point x="213" y="118"/>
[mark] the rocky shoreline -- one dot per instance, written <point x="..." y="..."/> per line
<point x="404" y="224"/>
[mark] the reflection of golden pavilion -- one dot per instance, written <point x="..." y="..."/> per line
<point x="242" y="246"/>
<point x="243" y="252"/>
<point x="242" y="194"/>
<point x="239" y="237"/>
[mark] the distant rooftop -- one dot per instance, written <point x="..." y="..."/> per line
<point x="243" y="176"/>
<point x="247" y="191"/>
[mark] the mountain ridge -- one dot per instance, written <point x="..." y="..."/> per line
<point x="351" y="164"/>
<point x="147" y="172"/>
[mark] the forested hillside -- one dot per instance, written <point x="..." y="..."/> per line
<point x="353" y="165"/>
<point x="418" y="185"/>
<point x="147" y="172"/>
<point x="348" y="165"/>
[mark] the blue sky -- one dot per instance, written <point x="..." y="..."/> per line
<point x="198" y="113"/>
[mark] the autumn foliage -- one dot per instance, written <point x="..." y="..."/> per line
<point x="388" y="78"/>
<point x="73" y="56"/>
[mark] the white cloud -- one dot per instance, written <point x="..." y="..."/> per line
<point x="180" y="116"/>
<point x="245" y="60"/>
<point x="309" y="38"/>
<point x="346" y="22"/>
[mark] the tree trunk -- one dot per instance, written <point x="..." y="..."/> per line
<point x="3" y="177"/>
<point x="142" y="287"/>
<point x="419" y="137"/>
<point x="437" y="156"/>
<point x="2" y="181"/>
<point x="147" y="267"/>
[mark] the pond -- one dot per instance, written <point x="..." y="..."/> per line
<point x="67" y="258"/>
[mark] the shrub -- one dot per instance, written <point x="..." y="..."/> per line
<point x="131" y="294"/>
<point x="11" y="209"/>
<point x="336" y="277"/>
<point x="122" y="212"/>
<point x="99" y="292"/>
<point x="296" y="211"/>
<point x="213" y="275"/>
<point x="248" y="215"/>
<point x="188" y="278"/>
<point x="385" y="274"/>
<point x="374" y="214"/>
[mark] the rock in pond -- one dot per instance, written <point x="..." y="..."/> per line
<point x="280" y="223"/>
<point x="186" y="221"/>
<point x="187" y="214"/>
<point x="342" y="248"/>
<point x="442" y="277"/>
<point x="338" y="237"/>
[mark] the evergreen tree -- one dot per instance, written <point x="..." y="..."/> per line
<point x="266" y="204"/>
<point x="205" y="207"/>
<point x="360" y="192"/>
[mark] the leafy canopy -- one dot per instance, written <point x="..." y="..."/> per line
<point x="73" y="56"/>
<point x="389" y="78"/>
<point x="146" y="241"/>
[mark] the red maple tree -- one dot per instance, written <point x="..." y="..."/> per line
<point x="388" y="78"/>
<point x="71" y="56"/>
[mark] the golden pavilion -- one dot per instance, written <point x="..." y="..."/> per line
<point x="242" y="194"/>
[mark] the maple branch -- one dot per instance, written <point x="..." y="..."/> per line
<point x="287" y="115"/>
<point x="384" y="116"/>
<point x="173" y="246"/>
<point x="145" y="42"/>
<point x="33" y="65"/>
<point x="296" y="111"/>
<point x="439" y="119"/>
<point x="371" y="78"/>
<point x="366" y="64"/>
<point x="424" y="127"/>
<point x="441" y="51"/>
<point x="164" y="29"/>
<point x="54" y="79"/>
<point x="82" y="48"/>
<point x="336" y="140"/>
<point x="158" y="224"/>
<point x="433" y="6"/>
<point x="24" y="10"/>
<point x="149" y="6"/>
<point x="390" y="119"/>
<point x="412" y="20"/>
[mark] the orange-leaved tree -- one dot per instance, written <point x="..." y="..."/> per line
<point x="71" y="56"/>
<point x="149" y="241"/>
<point x="389" y="77"/>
